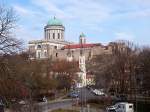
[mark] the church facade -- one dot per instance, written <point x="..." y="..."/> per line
<point x="54" y="45"/>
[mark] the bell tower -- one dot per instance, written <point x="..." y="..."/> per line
<point x="82" y="64"/>
<point x="82" y="39"/>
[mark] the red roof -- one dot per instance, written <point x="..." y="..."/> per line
<point x="75" y="46"/>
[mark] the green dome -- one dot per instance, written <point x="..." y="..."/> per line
<point x="54" y="21"/>
<point x="82" y="35"/>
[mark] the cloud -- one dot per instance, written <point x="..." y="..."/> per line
<point x="93" y="17"/>
<point x="133" y="14"/>
<point x="22" y="11"/>
<point x="30" y="24"/>
<point x="96" y="12"/>
<point x="22" y="32"/>
<point x="140" y="13"/>
<point x="145" y="3"/>
<point x="49" y="7"/>
<point x="84" y="11"/>
<point x="129" y="9"/>
<point x="124" y="36"/>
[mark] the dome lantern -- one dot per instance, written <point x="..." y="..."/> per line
<point x="82" y="35"/>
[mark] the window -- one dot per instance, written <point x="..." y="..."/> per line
<point x="130" y="106"/>
<point x="56" y="54"/>
<point x="61" y="35"/>
<point x="53" y="35"/>
<point x="39" y="46"/>
<point x="49" y="35"/>
<point x="58" y="36"/>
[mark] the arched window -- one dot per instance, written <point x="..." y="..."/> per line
<point x="39" y="46"/>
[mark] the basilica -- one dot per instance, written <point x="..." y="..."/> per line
<point x="54" y="46"/>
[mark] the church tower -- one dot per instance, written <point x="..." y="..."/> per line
<point x="82" y="64"/>
<point x="82" y="39"/>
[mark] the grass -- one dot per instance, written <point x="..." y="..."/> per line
<point x="64" y="110"/>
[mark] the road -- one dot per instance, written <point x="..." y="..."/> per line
<point x="84" y="95"/>
<point x="43" y="107"/>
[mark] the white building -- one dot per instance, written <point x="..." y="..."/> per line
<point x="53" y="40"/>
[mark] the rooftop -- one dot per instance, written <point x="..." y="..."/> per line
<point x="54" y="21"/>
<point x="75" y="46"/>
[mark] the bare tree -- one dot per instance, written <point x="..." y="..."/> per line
<point x="10" y="86"/>
<point x="125" y="54"/>
<point x="65" y="72"/>
<point x="144" y="71"/>
<point x="101" y="67"/>
<point x="8" y="44"/>
<point x="116" y="71"/>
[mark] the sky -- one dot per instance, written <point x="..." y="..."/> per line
<point x="102" y="21"/>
